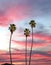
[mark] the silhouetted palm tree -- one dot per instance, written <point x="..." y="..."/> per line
<point x="26" y="33"/>
<point x="12" y="28"/>
<point x="33" y="24"/>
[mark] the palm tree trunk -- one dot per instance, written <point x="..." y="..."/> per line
<point x="26" y="52"/>
<point x="31" y="49"/>
<point x="10" y="49"/>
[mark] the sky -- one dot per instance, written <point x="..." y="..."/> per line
<point x="21" y="12"/>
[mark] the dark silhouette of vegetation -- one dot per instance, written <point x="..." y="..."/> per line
<point x="7" y="64"/>
<point x="12" y="28"/>
<point x="32" y="24"/>
<point x="26" y="33"/>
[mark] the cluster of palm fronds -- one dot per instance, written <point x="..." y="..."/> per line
<point x="12" y="28"/>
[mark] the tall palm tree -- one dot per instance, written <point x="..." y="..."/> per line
<point x="26" y="33"/>
<point x="12" y="28"/>
<point x="33" y="24"/>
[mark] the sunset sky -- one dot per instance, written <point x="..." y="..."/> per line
<point x="21" y="12"/>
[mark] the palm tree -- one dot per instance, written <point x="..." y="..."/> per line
<point x="33" y="24"/>
<point x="12" y="28"/>
<point x="26" y="33"/>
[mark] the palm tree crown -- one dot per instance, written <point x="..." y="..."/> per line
<point x="32" y="23"/>
<point x="12" y="27"/>
<point x="26" y="32"/>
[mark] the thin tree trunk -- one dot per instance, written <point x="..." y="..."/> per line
<point x="10" y="49"/>
<point x="26" y="52"/>
<point x="31" y="49"/>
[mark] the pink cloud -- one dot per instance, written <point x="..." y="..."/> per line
<point x="19" y="58"/>
<point x="14" y="14"/>
<point x="4" y="21"/>
<point x="42" y="37"/>
<point x="17" y="12"/>
<point x="36" y="44"/>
